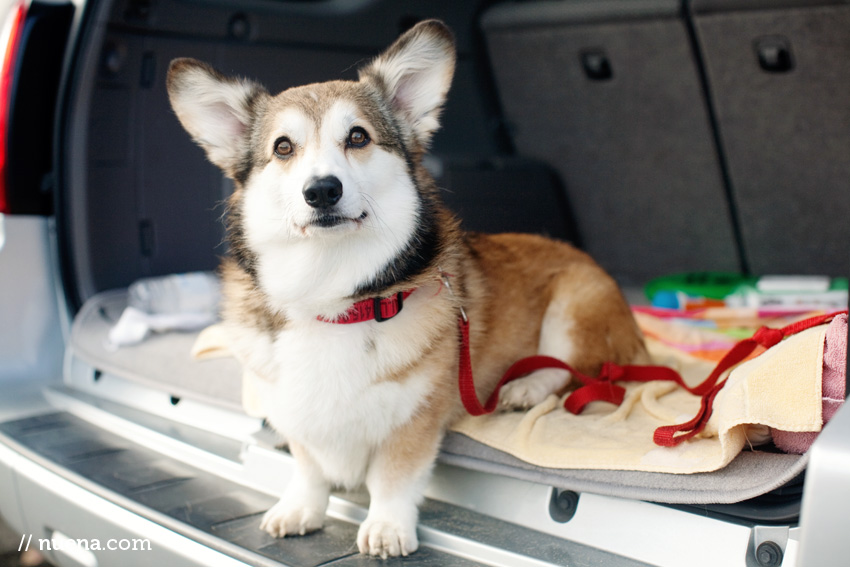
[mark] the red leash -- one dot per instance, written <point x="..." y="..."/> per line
<point x="598" y="388"/>
<point x="602" y="387"/>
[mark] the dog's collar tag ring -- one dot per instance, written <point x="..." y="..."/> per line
<point x="448" y="285"/>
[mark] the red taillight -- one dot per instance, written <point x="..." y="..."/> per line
<point x="9" y="42"/>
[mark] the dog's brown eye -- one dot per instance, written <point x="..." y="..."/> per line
<point x="358" y="137"/>
<point x="283" y="147"/>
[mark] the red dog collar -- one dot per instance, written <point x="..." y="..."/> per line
<point x="377" y="308"/>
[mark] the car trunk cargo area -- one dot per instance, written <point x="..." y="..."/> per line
<point x="659" y="136"/>
<point x="691" y="153"/>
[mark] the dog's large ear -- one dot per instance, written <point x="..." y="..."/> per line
<point x="217" y="111"/>
<point x="415" y="73"/>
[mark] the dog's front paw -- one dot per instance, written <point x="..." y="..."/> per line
<point x="531" y="390"/>
<point x="285" y="519"/>
<point x="386" y="538"/>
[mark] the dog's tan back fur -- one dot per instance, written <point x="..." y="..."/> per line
<point x="520" y="276"/>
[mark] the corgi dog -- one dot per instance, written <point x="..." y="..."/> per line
<point x="346" y="279"/>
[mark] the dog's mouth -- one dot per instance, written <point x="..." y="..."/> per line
<point x="332" y="221"/>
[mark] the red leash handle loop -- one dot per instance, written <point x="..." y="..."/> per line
<point x="672" y="435"/>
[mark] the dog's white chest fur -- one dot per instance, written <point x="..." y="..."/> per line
<point x="332" y="396"/>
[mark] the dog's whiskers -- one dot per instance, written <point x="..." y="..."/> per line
<point x="374" y="207"/>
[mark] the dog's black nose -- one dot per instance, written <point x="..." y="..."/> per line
<point x="323" y="192"/>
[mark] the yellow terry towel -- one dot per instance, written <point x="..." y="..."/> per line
<point x="779" y="389"/>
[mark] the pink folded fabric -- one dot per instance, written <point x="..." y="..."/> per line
<point x="834" y="381"/>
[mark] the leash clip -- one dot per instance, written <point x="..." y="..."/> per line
<point x="445" y="279"/>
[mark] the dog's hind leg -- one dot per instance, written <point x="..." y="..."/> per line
<point x="557" y="339"/>
<point x="301" y="509"/>
<point x="586" y="323"/>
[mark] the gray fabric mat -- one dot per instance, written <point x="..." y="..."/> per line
<point x="750" y="474"/>
<point x="164" y="362"/>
